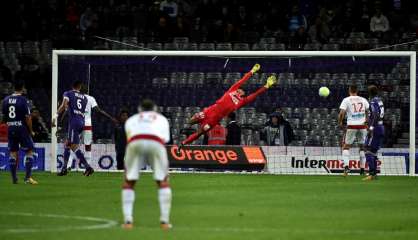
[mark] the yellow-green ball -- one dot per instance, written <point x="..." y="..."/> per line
<point x="324" y="92"/>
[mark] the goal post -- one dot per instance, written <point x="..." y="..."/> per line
<point x="237" y="54"/>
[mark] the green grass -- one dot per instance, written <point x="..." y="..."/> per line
<point x="215" y="206"/>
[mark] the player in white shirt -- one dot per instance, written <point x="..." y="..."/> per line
<point x="356" y="110"/>
<point x="87" y="134"/>
<point x="147" y="133"/>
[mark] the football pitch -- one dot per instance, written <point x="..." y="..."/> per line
<point x="212" y="206"/>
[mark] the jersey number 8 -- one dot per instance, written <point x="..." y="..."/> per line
<point x="12" y="112"/>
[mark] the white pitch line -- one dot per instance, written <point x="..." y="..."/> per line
<point x="102" y="223"/>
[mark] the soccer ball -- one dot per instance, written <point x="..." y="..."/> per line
<point x="324" y="92"/>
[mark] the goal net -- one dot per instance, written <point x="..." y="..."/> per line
<point x="184" y="83"/>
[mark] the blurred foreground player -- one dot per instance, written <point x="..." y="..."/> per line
<point x="147" y="133"/>
<point x="87" y="134"/>
<point x="76" y="103"/>
<point x="376" y="131"/>
<point x="232" y="100"/>
<point x="18" y="119"/>
<point x="356" y="108"/>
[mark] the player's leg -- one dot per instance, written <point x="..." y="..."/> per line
<point x="128" y="192"/>
<point x="13" y="146"/>
<point x="80" y="155"/>
<point x="67" y="153"/>
<point x="159" y="164"/>
<point x="29" y="159"/>
<point x="88" y="140"/>
<point x="71" y="160"/>
<point x="362" y="139"/>
<point x="347" y="142"/>
<point x="373" y="144"/>
<point x="13" y="163"/>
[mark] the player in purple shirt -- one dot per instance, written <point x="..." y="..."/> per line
<point x="376" y="131"/>
<point x="17" y="117"/>
<point x="75" y="102"/>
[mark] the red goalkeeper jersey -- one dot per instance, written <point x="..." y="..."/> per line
<point x="231" y="100"/>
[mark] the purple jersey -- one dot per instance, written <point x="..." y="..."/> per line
<point x="376" y="114"/>
<point x="15" y="109"/>
<point x="77" y="103"/>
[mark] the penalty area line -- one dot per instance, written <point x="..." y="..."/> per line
<point x="101" y="223"/>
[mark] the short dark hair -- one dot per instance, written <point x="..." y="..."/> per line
<point x="77" y="84"/>
<point x="373" y="90"/>
<point x="18" y="85"/>
<point x="232" y="116"/>
<point x="353" y="89"/>
<point x="147" y="105"/>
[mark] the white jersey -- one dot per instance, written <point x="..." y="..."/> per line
<point x="91" y="103"/>
<point x="355" y="107"/>
<point x="148" y="123"/>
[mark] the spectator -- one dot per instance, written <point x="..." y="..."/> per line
<point x="216" y="136"/>
<point x="296" y="20"/>
<point x="86" y="19"/>
<point x="300" y="38"/>
<point x="169" y="7"/>
<point x="379" y="23"/>
<point x="320" y="31"/>
<point x="5" y="73"/>
<point x="39" y="127"/>
<point x="233" y="136"/>
<point x="120" y="139"/>
<point x="278" y="131"/>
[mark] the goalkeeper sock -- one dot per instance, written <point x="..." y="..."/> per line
<point x="362" y="159"/>
<point x="191" y="138"/>
<point x="128" y="199"/>
<point x="164" y="198"/>
<point x="346" y="157"/>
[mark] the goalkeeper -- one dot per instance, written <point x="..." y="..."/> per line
<point x="232" y="100"/>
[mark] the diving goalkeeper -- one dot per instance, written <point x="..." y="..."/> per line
<point x="232" y="100"/>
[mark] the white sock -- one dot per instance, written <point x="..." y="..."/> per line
<point x="346" y="157"/>
<point x="164" y="197"/>
<point x="128" y="199"/>
<point x="362" y="159"/>
<point x="71" y="159"/>
<point x="87" y="156"/>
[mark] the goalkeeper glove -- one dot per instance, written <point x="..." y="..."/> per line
<point x="255" y="68"/>
<point x="270" y="81"/>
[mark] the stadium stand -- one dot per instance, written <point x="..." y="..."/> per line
<point x="26" y="53"/>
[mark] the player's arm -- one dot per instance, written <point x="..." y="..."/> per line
<point x="374" y="116"/>
<point x="101" y="111"/>
<point x="28" y="119"/>
<point x="341" y="117"/>
<point x="270" y="82"/>
<point x="61" y="109"/>
<point x="245" y="78"/>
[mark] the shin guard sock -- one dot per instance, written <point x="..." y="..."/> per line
<point x="128" y="199"/>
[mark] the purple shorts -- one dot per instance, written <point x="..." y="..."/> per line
<point x="19" y="137"/>
<point x="74" y="132"/>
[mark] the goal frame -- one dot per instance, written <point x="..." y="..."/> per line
<point x="410" y="54"/>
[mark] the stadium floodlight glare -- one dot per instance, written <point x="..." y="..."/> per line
<point x="247" y="54"/>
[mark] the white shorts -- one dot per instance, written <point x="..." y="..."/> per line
<point x="142" y="152"/>
<point x="87" y="136"/>
<point x="355" y="135"/>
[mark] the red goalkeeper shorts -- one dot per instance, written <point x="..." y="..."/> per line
<point x="207" y="119"/>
